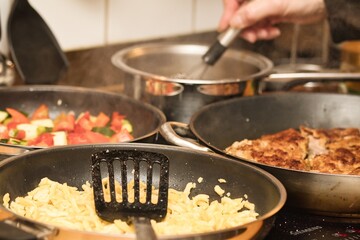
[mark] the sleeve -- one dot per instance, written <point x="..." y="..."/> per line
<point x="344" y="19"/>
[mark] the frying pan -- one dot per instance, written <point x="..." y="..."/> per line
<point x="37" y="54"/>
<point x="218" y="125"/>
<point x="71" y="165"/>
<point x="146" y="119"/>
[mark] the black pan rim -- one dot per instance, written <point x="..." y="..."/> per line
<point x="153" y="147"/>
<point x="266" y="96"/>
<point x="64" y="88"/>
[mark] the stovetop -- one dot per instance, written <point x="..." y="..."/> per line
<point x="296" y="225"/>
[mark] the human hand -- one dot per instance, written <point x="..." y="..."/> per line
<point x="258" y="18"/>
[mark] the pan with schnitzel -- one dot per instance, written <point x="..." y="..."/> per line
<point x="295" y="127"/>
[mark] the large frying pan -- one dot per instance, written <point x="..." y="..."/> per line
<point x="146" y="119"/>
<point x="71" y="164"/>
<point x="220" y="124"/>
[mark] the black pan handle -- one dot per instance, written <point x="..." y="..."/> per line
<point x="171" y="132"/>
<point x="15" y="228"/>
<point x="8" y="232"/>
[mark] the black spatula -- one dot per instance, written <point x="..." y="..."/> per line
<point x="34" y="49"/>
<point x="121" y="165"/>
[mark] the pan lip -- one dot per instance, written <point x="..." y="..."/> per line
<point x="304" y="172"/>
<point x="160" y="116"/>
<point x="271" y="95"/>
<point x="154" y="147"/>
<point x="118" y="57"/>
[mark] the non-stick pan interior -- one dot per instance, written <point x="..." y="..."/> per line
<point x="71" y="165"/>
<point x="144" y="118"/>
<point x="222" y="123"/>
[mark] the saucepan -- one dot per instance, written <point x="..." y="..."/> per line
<point x="71" y="165"/>
<point x="145" y="118"/>
<point x="218" y="125"/>
<point x="157" y="73"/>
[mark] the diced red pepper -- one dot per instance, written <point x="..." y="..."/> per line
<point x="101" y="120"/>
<point x="12" y="125"/>
<point x="17" y="116"/>
<point x="95" y="137"/>
<point x="86" y="137"/>
<point x="116" y="121"/>
<point x="76" y="138"/>
<point x="43" y="140"/>
<point x="64" y="122"/>
<point x="42" y="112"/>
<point x="84" y="123"/>
<point x="122" y="136"/>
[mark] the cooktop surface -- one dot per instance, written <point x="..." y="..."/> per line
<point x="291" y="224"/>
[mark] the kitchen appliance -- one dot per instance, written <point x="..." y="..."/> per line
<point x="146" y="119"/>
<point x="218" y="125"/>
<point x="150" y="69"/>
<point x="299" y="225"/>
<point x="71" y="164"/>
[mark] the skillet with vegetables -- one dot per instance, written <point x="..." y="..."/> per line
<point x="37" y="129"/>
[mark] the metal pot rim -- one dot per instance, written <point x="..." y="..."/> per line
<point x="118" y="60"/>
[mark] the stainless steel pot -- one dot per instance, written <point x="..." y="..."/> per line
<point x="152" y="72"/>
<point x="152" y="68"/>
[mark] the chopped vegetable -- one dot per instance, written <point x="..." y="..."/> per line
<point x="59" y="138"/>
<point x="3" y="115"/>
<point x="126" y="125"/>
<point x="38" y="129"/>
<point x="107" y="131"/>
<point x="42" y="112"/>
<point x="17" y="116"/>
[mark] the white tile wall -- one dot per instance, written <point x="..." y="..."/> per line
<point x="75" y="23"/>
<point x="139" y="19"/>
<point x="79" y="24"/>
<point x="207" y="14"/>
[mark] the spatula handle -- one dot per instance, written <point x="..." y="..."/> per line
<point x="144" y="229"/>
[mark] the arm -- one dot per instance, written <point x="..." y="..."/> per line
<point x="258" y="18"/>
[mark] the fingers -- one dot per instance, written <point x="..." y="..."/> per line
<point x="254" y="11"/>
<point x="264" y="33"/>
<point x="256" y="18"/>
<point x="230" y="7"/>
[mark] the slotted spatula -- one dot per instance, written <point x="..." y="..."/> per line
<point x="138" y="212"/>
